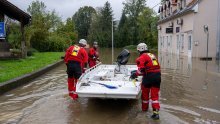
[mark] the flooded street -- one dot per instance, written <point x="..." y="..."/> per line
<point x="189" y="94"/>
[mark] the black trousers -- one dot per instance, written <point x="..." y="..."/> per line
<point x="74" y="69"/>
<point x="152" y="79"/>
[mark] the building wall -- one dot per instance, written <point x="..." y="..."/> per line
<point x="207" y="15"/>
<point x="193" y="25"/>
<point x="169" y="42"/>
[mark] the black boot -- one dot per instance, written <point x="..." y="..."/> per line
<point x="155" y="115"/>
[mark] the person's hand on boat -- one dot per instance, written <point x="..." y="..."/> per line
<point x="133" y="74"/>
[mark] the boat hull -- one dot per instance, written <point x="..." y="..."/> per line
<point x="110" y="82"/>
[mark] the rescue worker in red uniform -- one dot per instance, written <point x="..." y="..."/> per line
<point x="93" y="55"/>
<point x="149" y="68"/>
<point x="75" y="59"/>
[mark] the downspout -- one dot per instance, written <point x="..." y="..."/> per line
<point x="218" y="31"/>
<point x="218" y="36"/>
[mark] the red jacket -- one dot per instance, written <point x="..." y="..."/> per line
<point x="93" y="54"/>
<point x="147" y="63"/>
<point x="76" y="53"/>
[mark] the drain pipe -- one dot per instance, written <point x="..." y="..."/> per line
<point x="206" y="30"/>
<point x="218" y="35"/>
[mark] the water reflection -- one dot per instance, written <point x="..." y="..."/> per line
<point x="189" y="94"/>
<point x="186" y="82"/>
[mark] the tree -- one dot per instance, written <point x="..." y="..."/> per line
<point x="101" y="28"/>
<point x="67" y="30"/>
<point x="122" y="33"/>
<point x="44" y="23"/>
<point x="147" y="23"/>
<point x="83" y="19"/>
<point x="14" y="35"/>
<point x="106" y="24"/>
<point x="133" y="8"/>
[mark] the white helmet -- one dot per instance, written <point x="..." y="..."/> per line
<point x="83" y="42"/>
<point x="142" y="47"/>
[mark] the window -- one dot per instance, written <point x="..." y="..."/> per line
<point x="179" y="5"/>
<point x="171" y="10"/>
<point x="160" y="43"/>
<point x="163" y="42"/>
<point x="183" y="3"/>
<point x="182" y="41"/>
<point x="168" y="11"/>
<point x="170" y="42"/>
<point x="177" y="42"/>
<point x="190" y="42"/>
<point x="161" y="15"/>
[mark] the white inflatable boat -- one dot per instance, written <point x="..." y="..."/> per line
<point x="109" y="81"/>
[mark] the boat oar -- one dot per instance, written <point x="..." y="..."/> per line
<point x="106" y="85"/>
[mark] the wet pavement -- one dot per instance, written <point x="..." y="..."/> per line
<point x="189" y="94"/>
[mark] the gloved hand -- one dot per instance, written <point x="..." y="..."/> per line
<point x="133" y="75"/>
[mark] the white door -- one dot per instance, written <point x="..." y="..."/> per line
<point x="182" y="44"/>
<point x="177" y="44"/>
<point x="189" y="45"/>
<point x="170" y="44"/>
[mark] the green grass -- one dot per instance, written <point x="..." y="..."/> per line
<point x="10" y="69"/>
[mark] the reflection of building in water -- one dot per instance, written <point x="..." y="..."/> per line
<point x="181" y="27"/>
<point x="185" y="65"/>
<point x="187" y="80"/>
<point x="170" y="61"/>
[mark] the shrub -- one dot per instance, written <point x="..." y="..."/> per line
<point x="31" y="51"/>
<point x="56" y="43"/>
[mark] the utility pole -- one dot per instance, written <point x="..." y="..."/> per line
<point x="112" y="41"/>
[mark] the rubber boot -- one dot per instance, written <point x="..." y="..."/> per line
<point x="75" y="96"/>
<point x="70" y="86"/>
<point x="155" y="115"/>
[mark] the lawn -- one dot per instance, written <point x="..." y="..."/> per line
<point x="10" y="69"/>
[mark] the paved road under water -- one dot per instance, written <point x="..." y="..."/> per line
<point x="189" y="94"/>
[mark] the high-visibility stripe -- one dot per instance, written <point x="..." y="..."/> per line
<point x="156" y="112"/>
<point x="156" y="101"/>
<point x="144" y="101"/>
<point x="150" y="101"/>
<point x="73" y="92"/>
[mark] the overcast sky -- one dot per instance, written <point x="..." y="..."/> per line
<point x="66" y="8"/>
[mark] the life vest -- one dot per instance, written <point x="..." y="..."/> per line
<point x="76" y="53"/>
<point x="147" y="63"/>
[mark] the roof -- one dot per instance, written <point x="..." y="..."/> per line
<point x="186" y="10"/>
<point x="14" y="12"/>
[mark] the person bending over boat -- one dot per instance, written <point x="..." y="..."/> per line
<point x="75" y="59"/>
<point x="93" y="55"/>
<point x="149" y="68"/>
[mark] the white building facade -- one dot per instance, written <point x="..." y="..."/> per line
<point x="181" y="28"/>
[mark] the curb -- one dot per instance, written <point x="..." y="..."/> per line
<point x="19" y="81"/>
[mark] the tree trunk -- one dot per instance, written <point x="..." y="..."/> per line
<point x="23" y="46"/>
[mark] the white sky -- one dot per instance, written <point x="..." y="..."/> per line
<point x="66" y="8"/>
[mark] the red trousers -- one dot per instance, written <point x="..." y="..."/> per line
<point x="147" y="94"/>
<point x="92" y="63"/>
<point x="72" y="88"/>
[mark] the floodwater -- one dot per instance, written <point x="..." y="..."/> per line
<point x="189" y="94"/>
